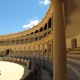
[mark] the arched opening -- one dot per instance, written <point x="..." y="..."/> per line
<point x="7" y="52"/>
<point x="74" y="43"/>
<point x="31" y="37"/>
<point x="41" y="33"/>
<point x="27" y="34"/>
<point x="41" y="29"/>
<point x="36" y="35"/>
<point x="36" y="31"/>
<point x="49" y="23"/>
<point x="45" y="26"/>
<point x="31" y="33"/>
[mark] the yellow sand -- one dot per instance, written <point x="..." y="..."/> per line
<point x="11" y="71"/>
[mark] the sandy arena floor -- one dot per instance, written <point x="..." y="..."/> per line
<point x="11" y="71"/>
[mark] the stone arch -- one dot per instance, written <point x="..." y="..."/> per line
<point x="36" y="51"/>
<point x="7" y="52"/>
<point x="21" y="51"/>
<point x="17" y="51"/>
<point x="50" y="44"/>
<point x="41" y="51"/>
<point x="50" y="54"/>
<point x="45" y="49"/>
<point x="26" y="52"/>
<point x="49" y="23"/>
<point x="31" y="51"/>
<point x="45" y="26"/>
<point x="2" y="50"/>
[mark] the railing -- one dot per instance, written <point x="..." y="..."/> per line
<point x="35" y="75"/>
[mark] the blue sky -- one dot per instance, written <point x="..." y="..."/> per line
<point x="19" y="15"/>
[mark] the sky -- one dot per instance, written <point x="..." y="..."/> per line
<point x="20" y="15"/>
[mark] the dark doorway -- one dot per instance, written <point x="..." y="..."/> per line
<point x="74" y="43"/>
<point x="7" y="52"/>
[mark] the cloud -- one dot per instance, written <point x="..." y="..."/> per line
<point x="45" y="2"/>
<point x="32" y="23"/>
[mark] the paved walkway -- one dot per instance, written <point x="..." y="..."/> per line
<point x="46" y="75"/>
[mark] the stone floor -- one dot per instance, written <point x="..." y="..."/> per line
<point x="45" y="75"/>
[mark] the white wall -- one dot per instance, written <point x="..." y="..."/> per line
<point x="68" y="41"/>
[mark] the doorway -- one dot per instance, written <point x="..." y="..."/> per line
<point x="7" y="52"/>
<point x="74" y="43"/>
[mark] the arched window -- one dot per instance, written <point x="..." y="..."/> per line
<point x="41" y="29"/>
<point x="49" y="23"/>
<point x="45" y="26"/>
<point x="36" y="31"/>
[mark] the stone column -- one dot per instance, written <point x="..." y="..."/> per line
<point x="52" y="50"/>
<point x="51" y="22"/>
<point x="43" y="32"/>
<point x="24" y="53"/>
<point x="38" y="52"/>
<point x="15" y="42"/>
<point x="19" y="55"/>
<point x="29" y="52"/>
<point x="24" y="40"/>
<point x="14" y="51"/>
<point x="33" y="54"/>
<point x="47" y="28"/>
<point x="47" y="51"/>
<point x="59" y="42"/>
<point x="29" y="37"/>
<point x="43" y="55"/>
